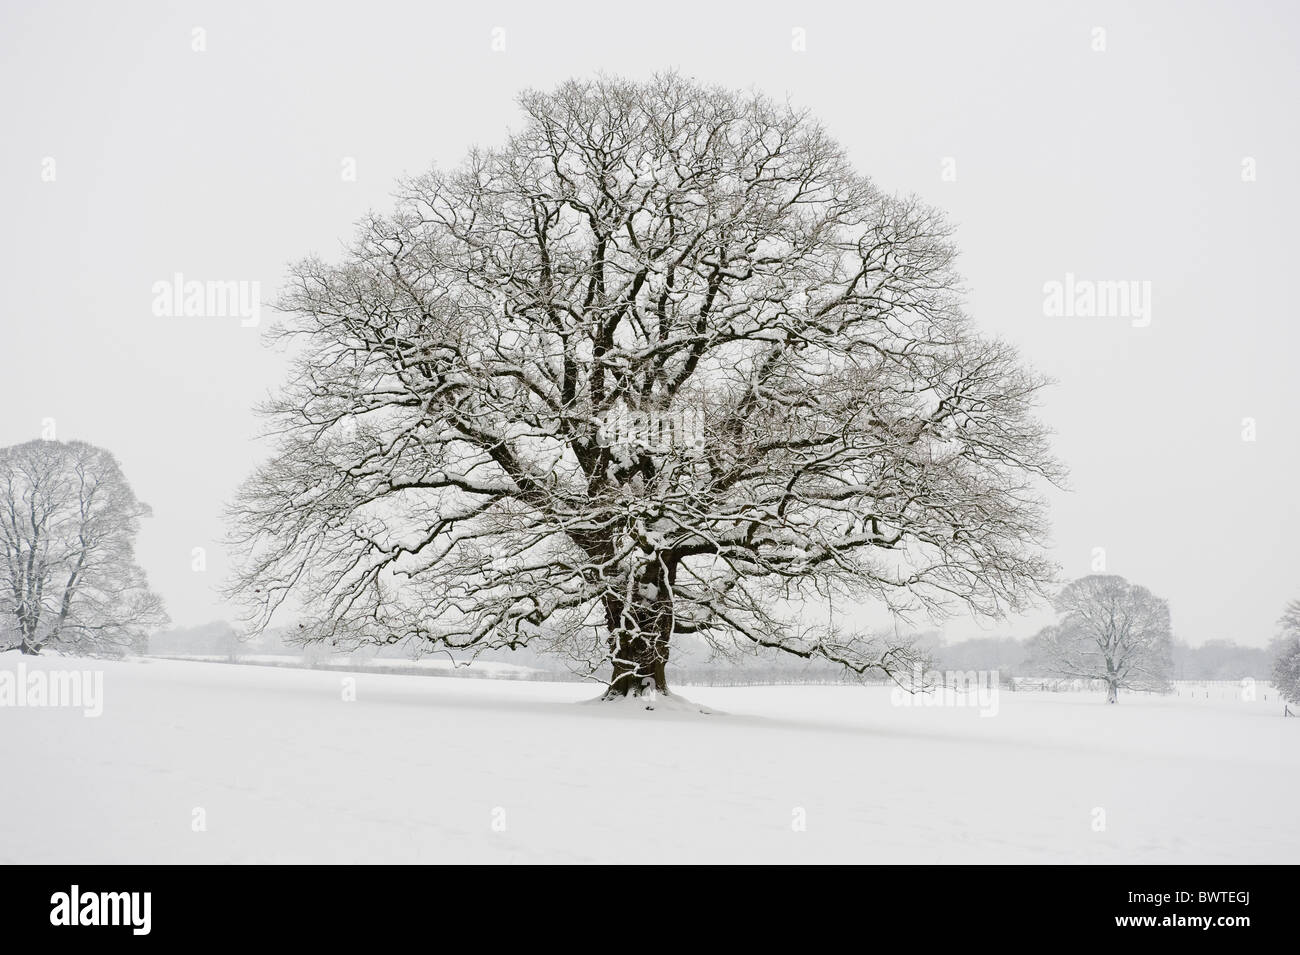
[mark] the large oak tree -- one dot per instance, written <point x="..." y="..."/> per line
<point x="455" y="463"/>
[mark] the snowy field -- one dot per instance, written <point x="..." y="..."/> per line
<point x="438" y="665"/>
<point x="283" y="769"/>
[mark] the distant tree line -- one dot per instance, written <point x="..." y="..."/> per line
<point x="1219" y="659"/>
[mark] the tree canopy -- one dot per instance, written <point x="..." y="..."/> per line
<point x="662" y="363"/>
<point x="68" y="573"/>
<point x="1109" y="630"/>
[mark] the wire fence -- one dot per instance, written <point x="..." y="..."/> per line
<point x="1247" y="690"/>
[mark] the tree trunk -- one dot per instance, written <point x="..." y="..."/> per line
<point x="1112" y="692"/>
<point x="639" y="664"/>
<point x="640" y="635"/>
<point x="29" y="648"/>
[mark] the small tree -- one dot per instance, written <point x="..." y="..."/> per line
<point x="68" y="576"/>
<point x="1109" y="630"/>
<point x="1286" y="663"/>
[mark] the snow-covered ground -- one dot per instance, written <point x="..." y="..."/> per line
<point x="438" y="665"/>
<point x="284" y="769"/>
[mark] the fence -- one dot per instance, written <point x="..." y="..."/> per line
<point x="1242" y="691"/>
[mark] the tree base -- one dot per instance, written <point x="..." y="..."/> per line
<point x="652" y="701"/>
<point x="626" y="689"/>
<point x="632" y="684"/>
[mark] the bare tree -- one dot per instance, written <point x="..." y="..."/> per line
<point x="1286" y="654"/>
<point x="662" y="364"/>
<point x="1109" y="630"/>
<point x="68" y="576"/>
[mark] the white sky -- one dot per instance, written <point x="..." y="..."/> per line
<point x="1118" y="165"/>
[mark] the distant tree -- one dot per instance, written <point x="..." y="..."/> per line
<point x="1220" y="660"/>
<point x="1003" y="654"/>
<point x="68" y="574"/>
<point x="1286" y="662"/>
<point x="215" y="638"/>
<point x="1108" y="630"/>
<point x="662" y="364"/>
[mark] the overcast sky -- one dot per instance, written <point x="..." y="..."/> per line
<point x="1057" y="149"/>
